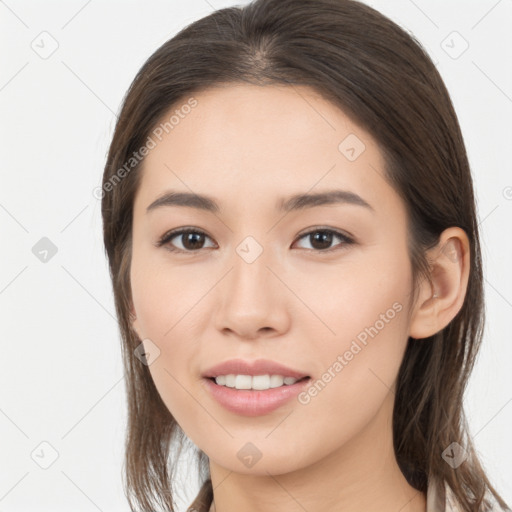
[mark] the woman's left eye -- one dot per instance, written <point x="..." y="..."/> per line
<point x="192" y="239"/>
<point x="322" y="237"/>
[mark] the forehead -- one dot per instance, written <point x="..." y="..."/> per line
<point x="260" y="141"/>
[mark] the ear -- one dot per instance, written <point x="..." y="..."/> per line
<point x="133" y="320"/>
<point x="441" y="298"/>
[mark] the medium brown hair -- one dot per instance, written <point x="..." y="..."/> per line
<point x="382" y="78"/>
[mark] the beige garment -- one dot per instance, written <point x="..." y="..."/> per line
<point x="440" y="498"/>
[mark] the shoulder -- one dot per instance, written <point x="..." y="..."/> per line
<point x="441" y="498"/>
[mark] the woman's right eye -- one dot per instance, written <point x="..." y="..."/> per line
<point x="191" y="240"/>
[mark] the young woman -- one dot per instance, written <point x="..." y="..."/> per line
<point x="291" y="231"/>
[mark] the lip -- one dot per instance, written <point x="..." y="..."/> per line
<point x="256" y="367"/>
<point x="248" y="402"/>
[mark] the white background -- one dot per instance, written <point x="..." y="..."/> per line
<point x="61" y="377"/>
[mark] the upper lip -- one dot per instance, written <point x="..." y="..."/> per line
<point x="256" y="367"/>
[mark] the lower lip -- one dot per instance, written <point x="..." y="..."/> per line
<point x="250" y="402"/>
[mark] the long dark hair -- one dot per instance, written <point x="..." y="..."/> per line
<point x="381" y="77"/>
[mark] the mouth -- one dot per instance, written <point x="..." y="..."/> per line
<point x="273" y="382"/>
<point x="258" y="369"/>
<point x="298" y="380"/>
<point x="255" y="398"/>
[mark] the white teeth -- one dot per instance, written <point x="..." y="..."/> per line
<point x="221" y="380"/>
<point x="243" y="382"/>
<point x="258" y="382"/>
<point x="261" y="382"/>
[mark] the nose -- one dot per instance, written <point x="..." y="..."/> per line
<point x="253" y="301"/>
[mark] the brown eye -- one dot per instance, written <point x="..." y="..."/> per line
<point x="321" y="239"/>
<point x="191" y="240"/>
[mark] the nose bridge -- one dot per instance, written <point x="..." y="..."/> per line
<point x="250" y="275"/>
<point x="252" y="297"/>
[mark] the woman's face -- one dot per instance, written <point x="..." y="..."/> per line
<point x="258" y="281"/>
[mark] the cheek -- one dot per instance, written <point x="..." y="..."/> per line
<point x="366" y="306"/>
<point x="163" y="296"/>
<point x="169" y="308"/>
<point x="368" y="289"/>
<point x="357" y="371"/>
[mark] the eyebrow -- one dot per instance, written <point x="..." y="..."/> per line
<point x="295" y="202"/>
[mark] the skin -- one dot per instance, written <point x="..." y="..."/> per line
<point x="248" y="147"/>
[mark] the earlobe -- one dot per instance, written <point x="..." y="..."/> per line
<point x="441" y="297"/>
<point x="133" y="320"/>
<point x="135" y="329"/>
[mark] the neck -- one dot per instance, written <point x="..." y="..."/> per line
<point x="361" y="474"/>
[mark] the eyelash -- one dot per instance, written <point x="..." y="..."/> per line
<point x="167" y="237"/>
